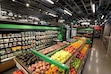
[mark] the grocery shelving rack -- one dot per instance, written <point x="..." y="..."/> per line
<point x="10" y="27"/>
<point x="19" y="28"/>
<point x="86" y="32"/>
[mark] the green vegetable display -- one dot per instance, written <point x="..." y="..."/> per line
<point x="75" y="63"/>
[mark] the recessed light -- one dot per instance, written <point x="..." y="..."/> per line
<point x="13" y="0"/>
<point x="52" y="15"/>
<point x="46" y="12"/>
<point x="50" y="1"/>
<point x="40" y="9"/>
<point x="27" y="4"/>
<point x="93" y="8"/>
<point x="102" y="17"/>
<point x="68" y="12"/>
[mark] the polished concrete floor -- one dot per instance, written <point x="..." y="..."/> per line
<point x="98" y="62"/>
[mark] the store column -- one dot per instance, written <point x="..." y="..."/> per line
<point x="109" y="48"/>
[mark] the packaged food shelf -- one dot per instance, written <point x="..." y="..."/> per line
<point x="7" y="59"/>
<point x="25" y="40"/>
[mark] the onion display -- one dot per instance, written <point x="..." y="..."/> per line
<point x="39" y="67"/>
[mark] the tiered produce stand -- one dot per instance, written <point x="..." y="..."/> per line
<point x="58" y="64"/>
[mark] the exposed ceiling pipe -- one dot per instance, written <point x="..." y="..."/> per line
<point x="50" y="1"/>
<point x="71" y="7"/>
<point x="84" y="6"/>
<point x="91" y="4"/>
<point x="77" y="6"/>
<point x="42" y="4"/>
<point x="25" y="4"/>
<point x="108" y="2"/>
<point x="19" y="11"/>
<point x="100" y="1"/>
<point x="48" y="7"/>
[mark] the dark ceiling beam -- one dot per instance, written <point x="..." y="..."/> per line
<point x="87" y="5"/>
<point x="14" y="8"/>
<point x="43" y="4"/>
<point x="48" y="8"/>
<point x="91" y="5"/>
<point x="100" y="1"/>
<point x="109" y="12"/>
<point x="72" y="9"/>
<point x="75" y="17"/>
<point x="108" y="2"/>
<point x="77" y="6"/>
<point x="92" y="2"/>
<point x="54" y="10"/>
<point x="35" y="8"/>
<point x="84" y="6"/>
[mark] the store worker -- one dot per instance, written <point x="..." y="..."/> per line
<point x="67" y="32"/>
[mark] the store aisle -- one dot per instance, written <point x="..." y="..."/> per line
<point x="97" y="62"/>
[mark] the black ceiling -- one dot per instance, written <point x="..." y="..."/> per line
<point x="79" y="8"/>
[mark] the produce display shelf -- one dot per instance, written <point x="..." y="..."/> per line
<point x="74" y="54"/>
<point x="73" y="40"/>
<point x="83" y="61"/>
<point x="20" y="65"/>
<point x="51" y="61"/>
<point x="50" y="51"/>
<point x="57" y="50"/>
<point x="42" y="47"/>
<point x="7" y="59"/>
